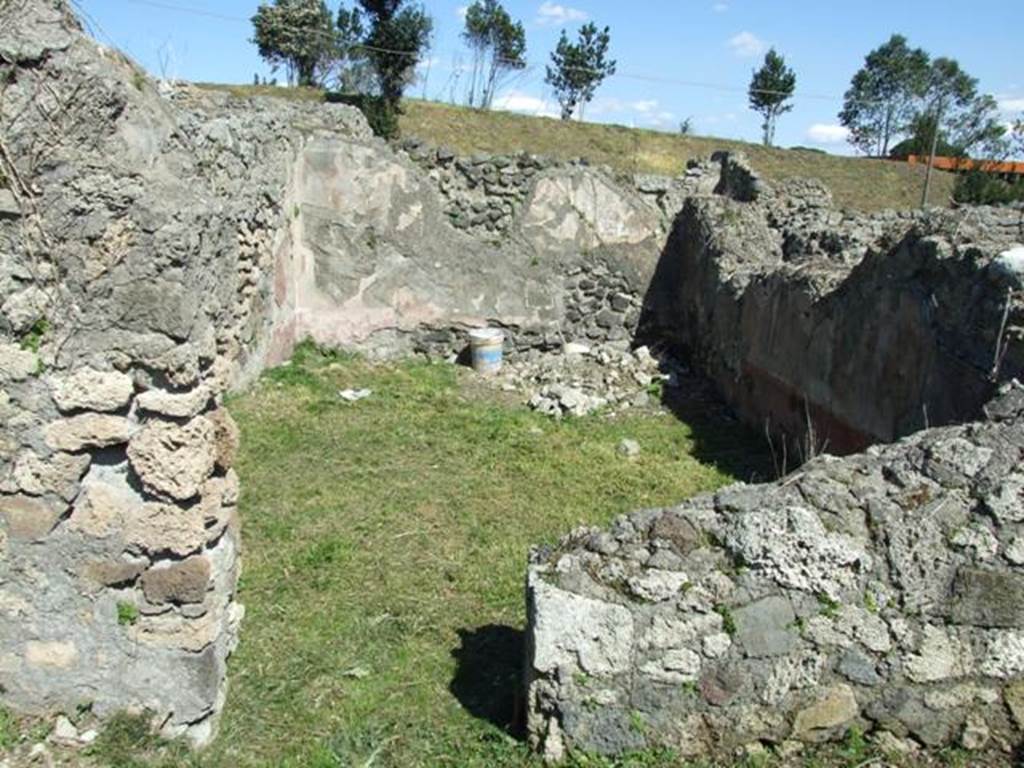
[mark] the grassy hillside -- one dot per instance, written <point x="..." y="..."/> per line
<point x="859" y="183"/>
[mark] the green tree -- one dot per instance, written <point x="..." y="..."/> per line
<point x="300" y="36"/>
<point x="882" y="99"/>
<point x="352" y="72"/>
<point x="399" y="33"/>
<point x="953" y="115"/>
<point x="771" y="89"/>
<point x="578" y="68"/>
<point x="498" y="45"/>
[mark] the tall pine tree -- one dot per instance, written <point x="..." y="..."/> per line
<point x="771" y="90"/>
<point x="577" y="69"/>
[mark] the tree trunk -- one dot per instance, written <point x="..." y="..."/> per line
<point x="492" y="78"/>
<point x="886" y="131"/>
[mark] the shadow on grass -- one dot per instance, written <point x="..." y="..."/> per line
<point x="488" y="675"/>
<point x="719" y="437"/>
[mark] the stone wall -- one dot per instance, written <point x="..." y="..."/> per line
<point x="138" y="237"/>
<point x="882" y="591"/>
<point x="482" y="194"/>
<point x="879" y="592"/>
<point x="835" y="330"/>
<point x="377" y="263"/>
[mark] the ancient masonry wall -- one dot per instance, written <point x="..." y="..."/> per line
<point x="878" y="592"/>
<point x="138" y="239"/>
<point x="832" y="330"/>
<point x="382" y="261"/>
<point x="882" y="591"/>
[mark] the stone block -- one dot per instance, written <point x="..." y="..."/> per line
<point x="572" y="631"/>
<point x="766" y="628"/>
<point x="177" y="582"/>
<point x="183" y="405"/>
<point x="988" y="598"/>
<point x="90" y="390"/>
<point x="833" y="710"/>
<point x="158" y="528"/>
<point x="227" y="437"/>
<point x="677" y="530"/>
<point x="103" y="507"/>
<point x="58" y="473"/>
<point x="112" y="573"/>
<point x="88" y="430"/>
<point x="173" y="460"/>
<point x="17" y="364"/>
<point x="28" y="518"/>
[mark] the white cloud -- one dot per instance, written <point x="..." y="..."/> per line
<point x="827" y="133"/>
<point x="1011" y="105"/>
<point x="720" y="7"/>
<point x="553" y="14"/>
<point x="461" y="11"/>
<point x="747" y="45"/>
<point x="661" y="119"/>
<point x="518" y="101"/>
<point x="644" y="108"/>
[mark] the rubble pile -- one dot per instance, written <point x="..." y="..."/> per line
<point x="580" y="379"/>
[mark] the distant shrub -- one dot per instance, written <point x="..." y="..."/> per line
<point x="979" y="188"/>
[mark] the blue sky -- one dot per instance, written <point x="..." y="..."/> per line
<point x="666" y="50"/>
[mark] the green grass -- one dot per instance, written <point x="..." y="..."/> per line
<point x="8" y="730"/>
<point x="385" y="549"/>
<point x="32" y="339"/>
<point x="127" y="613"/>
<point x="127" y="741"/>
<point x="859" y="183"/>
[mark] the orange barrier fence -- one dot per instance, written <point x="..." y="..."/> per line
<point x="963" y="164"/>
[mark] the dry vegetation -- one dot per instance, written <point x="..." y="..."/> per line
<point x="859" y="183"/>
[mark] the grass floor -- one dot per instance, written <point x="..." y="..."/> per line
<point x="386" y="544"/>
<point x="859" y="183"/>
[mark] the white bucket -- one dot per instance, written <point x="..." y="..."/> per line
<point x="486" y="346"/>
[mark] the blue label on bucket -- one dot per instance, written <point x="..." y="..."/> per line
<point x="487" y="359"/>
<point x="489" y="356"/>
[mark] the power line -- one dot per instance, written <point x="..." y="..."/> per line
<point x="189" y="9"/>
<point x="518" y="63"/>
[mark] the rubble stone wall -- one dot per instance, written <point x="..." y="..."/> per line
<point x="377" y="262"/>
<point x="138" y="237"/>
<point x="833" y="330"/>
<point x="882" y="591"/>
